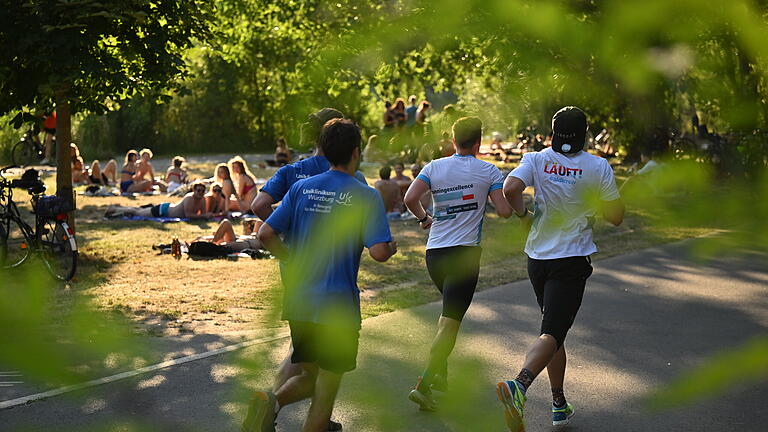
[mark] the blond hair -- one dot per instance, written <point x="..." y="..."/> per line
<point x="239" y="160"/>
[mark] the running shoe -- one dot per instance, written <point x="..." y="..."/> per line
<point x="425" y="401"/>
<point x="334" y="426"/>
<point x="261" y="413"/>
<point x="562" y="416"/>
<point x="511" y="395"/>
<point x="439" y="383"/>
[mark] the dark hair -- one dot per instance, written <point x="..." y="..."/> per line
<point x="467" y="131"/>
<point x="385" y="172"/>
<point x="338" y="139"/>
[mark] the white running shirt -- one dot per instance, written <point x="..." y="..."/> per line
<point x="567" y="192"/>
<point x="460" y="186"/>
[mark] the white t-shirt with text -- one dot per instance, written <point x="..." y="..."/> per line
<point x="567" y="190"/>
<point x="460" y="186"/>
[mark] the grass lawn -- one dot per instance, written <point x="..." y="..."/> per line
<point x="120" y="272"/>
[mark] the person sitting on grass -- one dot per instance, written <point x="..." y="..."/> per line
<point x="192" y="206"/>
<point x="225" y="236"/>
<point x="401" y="179"/>
<point x="95" y="175"/>
<point x="223" y="178"/>
<point x="79" y="173"/>
<point x="389" y="191"/>
<point x="245" y="183"/>
<point x="215" y="201"/>
<point x="283" y="154"/>
<point x="176" y="176"/>
<point x="145" y="170"/>
<point x="129" y="180"/>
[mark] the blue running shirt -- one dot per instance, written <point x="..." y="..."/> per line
<point x="327" y="220"/>
<point x="286" y="176"/>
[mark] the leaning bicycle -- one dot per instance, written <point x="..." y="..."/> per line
<point x="49" y="237"/>
<point x="28" y="151"/>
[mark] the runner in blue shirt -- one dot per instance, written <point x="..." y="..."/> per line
<point x="276" y="188"/>
<point x="286" y="176"/>
<point x="326" y="220"/>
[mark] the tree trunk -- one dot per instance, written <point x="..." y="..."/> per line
<point x="64" y="187"/>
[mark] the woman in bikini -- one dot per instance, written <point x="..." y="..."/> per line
<point x="225" y="235"/>
<point x="246" y="185"/>
<point x="215" y="201"/>
<point x="176" y="176"/>
<point x="96" y="175"/>
<point x="129" y="180"/>
<point x="224" y="179"/>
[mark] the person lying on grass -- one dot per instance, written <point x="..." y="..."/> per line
<point x="192" y="206"/>
<point x="225" y="236"/>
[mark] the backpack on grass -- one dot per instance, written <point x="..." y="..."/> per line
<point x="207" y="249"/>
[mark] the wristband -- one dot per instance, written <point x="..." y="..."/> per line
<point x="421" y="221"/>
<point x="523" y="215"/>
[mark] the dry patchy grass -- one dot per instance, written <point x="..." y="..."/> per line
<point x="120" y="272"/>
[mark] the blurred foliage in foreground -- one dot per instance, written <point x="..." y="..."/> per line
<point x="54" y="336"/>
<point x="641" y="68"/>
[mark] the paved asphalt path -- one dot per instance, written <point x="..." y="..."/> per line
<point x="647" y="317"/>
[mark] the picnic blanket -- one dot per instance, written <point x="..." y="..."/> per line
<point x="150" y="219"/>
<point x="233" y="215"/>
<point x="99" y="192"/>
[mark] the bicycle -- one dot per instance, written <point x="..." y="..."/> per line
<point x="51" y="238"/>
<point x="28" y="150"/>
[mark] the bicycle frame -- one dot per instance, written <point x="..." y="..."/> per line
<point x="34" y="236"/>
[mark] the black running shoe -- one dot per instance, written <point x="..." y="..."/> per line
<point x="333" y="426"/>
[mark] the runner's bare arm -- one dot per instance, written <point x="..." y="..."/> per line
<point x="412" y="200"/>
<point x="413" y="196"/>
<point x="503" y="208"/>
<point x="383" y="251"/>
<point x="513" y="192"/>
<point x="262" y="205"/>
<point x="613" y="211"/>
<point x="271" y="241"/>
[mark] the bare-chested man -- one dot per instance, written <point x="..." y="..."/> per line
<point x="389" y="191"/>
<point x="193" y="206"/>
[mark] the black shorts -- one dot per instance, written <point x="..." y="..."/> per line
<point x="559" y="285"/>
<point x="51" y="131"/>
<point x="455" y="270"/>
<point x="332" y="348"/>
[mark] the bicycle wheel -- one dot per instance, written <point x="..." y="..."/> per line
<point x="24" y="154"/>
<point x="59" y="250"/>
<point x="14" y="244"/>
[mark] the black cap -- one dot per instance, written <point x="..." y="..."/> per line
<point x="569" y="130"/>
<point x="320" y="117"/>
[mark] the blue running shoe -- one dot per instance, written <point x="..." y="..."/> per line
<point x="261" y="413"/>
<point x="562" y="416"/>
<point x="512" y="396"/>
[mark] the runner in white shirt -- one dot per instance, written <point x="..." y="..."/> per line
<point x="460" y="187"/>
<point x="569" y="185"/>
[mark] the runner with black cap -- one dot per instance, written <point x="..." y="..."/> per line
<point x="570" y="186"/>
